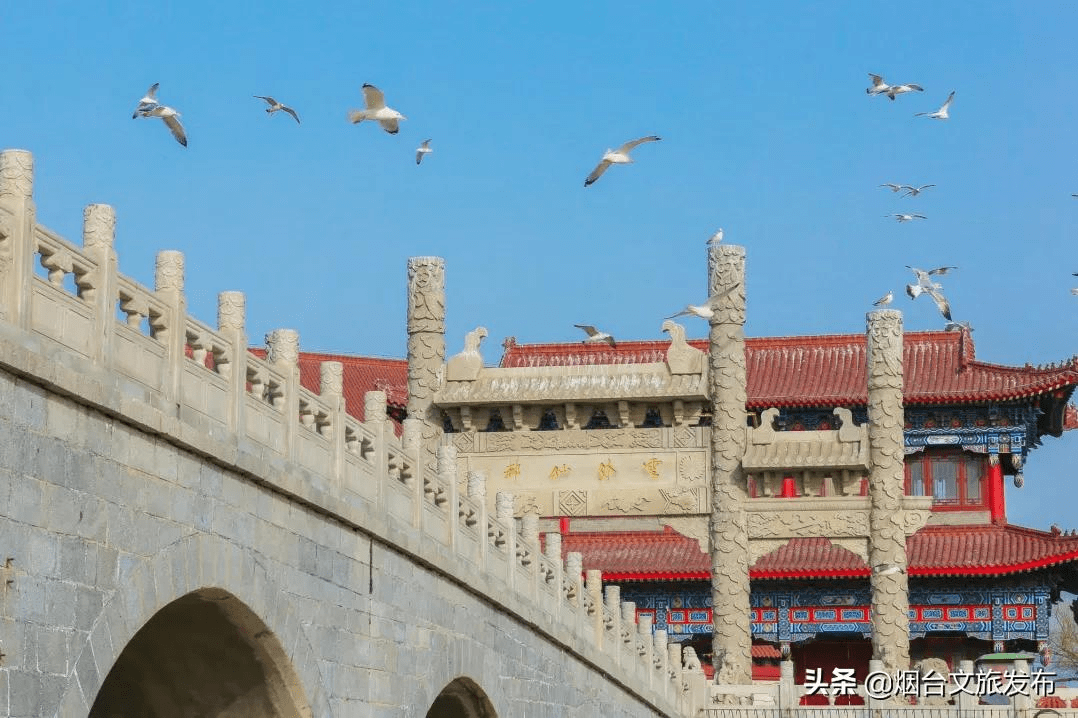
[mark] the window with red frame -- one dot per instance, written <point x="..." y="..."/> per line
<point x="952" y="479"/>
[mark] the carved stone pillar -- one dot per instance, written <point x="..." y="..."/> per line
<point x="887" y="537"/>
<point x="331" y="391"/>
<point x="170" y="330"/>
<point x="16" y="234"/>
<point x="232" y="325"/>
<point x="728" y="526"/>
<point x="282" y="352"/>
<point x="426" y="348"/>
<point x="477" y="485"/>
<point x="98" y="240"/>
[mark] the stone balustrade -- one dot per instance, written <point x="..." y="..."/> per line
<point x="82" y="329"/>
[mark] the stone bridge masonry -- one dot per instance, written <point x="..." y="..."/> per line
<point x="185" y="530"/>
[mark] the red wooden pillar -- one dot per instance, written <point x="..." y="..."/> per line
<point x="996" y="505"/>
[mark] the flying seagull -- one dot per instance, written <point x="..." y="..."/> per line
<point x="594" y="335"/>
<point x="896" y="90"/>
<point x="170" y="118"/>
<point x="423" y="149"/>
<point x="914" y="191"/>
<point x="275" y="106"/>
<point x="620" y="156"/>
<point x="715" y="238"/>
<point x="894" y="187"/>
<point x="707" y="309"/>
<point x="906" y="217"/>
<point x="879" y="87"/>
<point x="925" y="285"/>
<point x="941" y="113"/>
<point x="148" y="102"/>
<point x="884" y="300"/>
<point x="376" y="110"/>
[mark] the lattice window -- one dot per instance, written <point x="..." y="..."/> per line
<point x="952" y="479"/>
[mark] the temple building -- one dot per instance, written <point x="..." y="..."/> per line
<point x="616" y="450"/>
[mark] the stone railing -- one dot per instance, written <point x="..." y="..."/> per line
<point x="85" y="331"/>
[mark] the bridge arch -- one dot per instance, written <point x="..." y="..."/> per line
<point x="199" y="594"/>
<point x="462" y="698"/>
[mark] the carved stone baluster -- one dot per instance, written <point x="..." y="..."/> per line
<point x="331" y="392"/>
<point x="232" y="325"/>
<point x="16" y="235"/>
<point x="282" y="353"/>
<point x="728" y="529"/>
<point x="477" y="490"/>
<point x="375" y="419"/>
<point x="553" y="553"/>
<point x="613" y="608"/>
<point x="446" y="491"/>
<point x="426" y="348"/>
<point x="645" y="643"/>
<point x="887" y="535"/>
<point x="574" y="568"/>
<point x="503" y="513"/>
<point x="98" y="241"/>
<point x="593" y="584"/>
<point x="169" y="330"/>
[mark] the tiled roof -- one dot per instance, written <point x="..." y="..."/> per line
<point x="361" y="374"/>
<point x="985" y="550"/>
<point x="829" y="370"/>
<point x="762" y="650"/>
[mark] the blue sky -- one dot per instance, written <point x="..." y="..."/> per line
<point x="767" y="132"/>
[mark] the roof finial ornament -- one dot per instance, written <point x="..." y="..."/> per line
<point x="680" y="357"/>
<point x="466" y="365"/>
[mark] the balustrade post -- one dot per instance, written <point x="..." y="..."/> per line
<point x="658" y="663"/>
<point x="376" y="420"/>
<point x="282" y="353"/>
<point x="503" y="506"/>
<point x="477" y="490"/>
<point x="331" y="391"/>
<point x="553" y="553"/>
<point x="574" y="567"/>
<point x="447" y="480"/>
<point x="171" y="330"/>
<point x="16" y="235"/>
<point x="644" y="646"/>
<point x="529" y="535"/>
<point x="232" y="325"/>
<point x="411" y="443"/>
<point x="593" y="584"/>
<point x="628" y="633"/>
<point x="674" y="664"/>
<point x="98" y="241"/>
<point x="613" y="606"/>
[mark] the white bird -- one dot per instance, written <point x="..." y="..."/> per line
<point x="879" y="87"/>
<point x="715" y="238"/>
<point x="620" y="156"/>
<point x="941" y="113"/>
<point x="275" y="106"/>
<point x="376" y="110"/>
<point x="903" y="89"/>
<point x="885" y="299"/>
<point x="707" y="309"/>
<point x="148" y="101"/>
<point x="594" y="335"/>
<point x="925" y="285"/>
<point x="170" y="118"/>
<point x="423" y="149"/>
<point x="1074" y="291"/>
<point x="914" y="191"/>
<point x="957" y="327"/>
<point x="894" y="187"/>
<point x="906" y="217"/>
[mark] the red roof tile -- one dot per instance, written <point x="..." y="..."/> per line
<point x="829" y="370"/>
<point x="985" y="550"/>
<point x="763" y="650"/>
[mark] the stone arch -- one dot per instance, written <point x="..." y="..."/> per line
<point x="213" y="570"/>
<point x="462" y="698"/>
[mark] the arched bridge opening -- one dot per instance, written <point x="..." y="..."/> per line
<point x="462" y="698"/>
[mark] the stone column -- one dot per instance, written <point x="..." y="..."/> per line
<point x="98" y="240"/>
<point x="887" y="537"/>
<point x="16" y="234"/>
<point x="282" y="353"/>
<point x="232" y="325"/>
<point x="171" y="330"/>
<point x="331" y="391"/>
<point x="728" y="526"/>
<point x="426" y="349"/>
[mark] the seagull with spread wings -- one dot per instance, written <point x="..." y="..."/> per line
<point x="594" y="335"/>
<point x="423" y="149"/>
<point x="148" y="101"/>
<point x="896" y="90"/>
<point x="620" y="156"/>
<point x="377" y="111"/>
<point x="707" y="309"/>
<point x="925" y="285"/>
<point x="879" y="87"/>
<point x="941" y="113"/>
<point x="172" y="119"/>
<point x="912" y="191"/>
<point x="894" y="187"/>
<point x="275" y="106"/>
<point x="906" y="217"/>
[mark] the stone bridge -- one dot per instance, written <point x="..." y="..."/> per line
<point x="186" y="531"/>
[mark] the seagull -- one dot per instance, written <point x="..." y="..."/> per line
<point x="1074" y="290"/>
<point x="903" y="89"/>
<point x="925" y="285"/>
<point x="275" y="106"/>
<point x="170" y="118"/>
<point x="957" y="327"/>
<point x="594" y="335"/>
<point x="906" y="217"/>
<point x="914" y="191"/>
<point x="707" y="309"/>
<point x="715" y="238"/>
<point x="941" y="113"/>
<point x="148" y="101"/>
<point x="879" y="87"/>
<point x="894" y="187"/>
<point x="423" y="149"/>
<point x="620" y="156"/>
<point x="884" y="300"/>
<point x="376" y="110"/>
